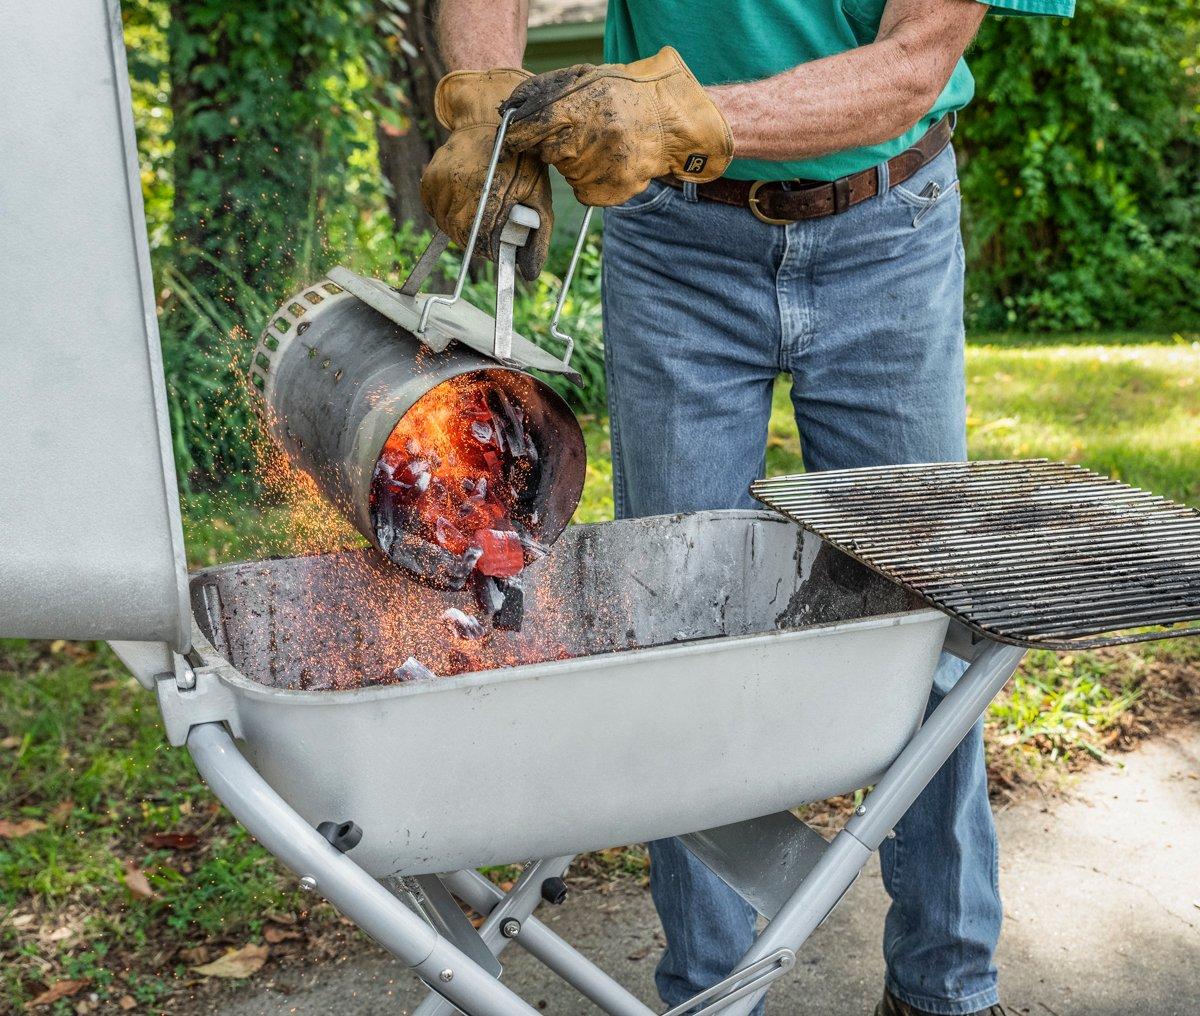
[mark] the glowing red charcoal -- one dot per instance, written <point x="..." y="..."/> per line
<point x="449" y="536"/>
<point x="451" y="502"/>
<point x="502" y="557"/>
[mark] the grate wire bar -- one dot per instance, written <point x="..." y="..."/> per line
<point x="1030" y="552"/>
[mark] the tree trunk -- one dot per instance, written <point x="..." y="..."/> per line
<point x="407" y="140"/>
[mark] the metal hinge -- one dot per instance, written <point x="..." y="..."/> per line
<point x="206" y="699"/>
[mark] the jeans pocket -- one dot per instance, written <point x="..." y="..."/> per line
<point x="933" y="184"/>
<point x="656" y="195"/>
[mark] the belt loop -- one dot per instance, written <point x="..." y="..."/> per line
<point x="689" y="191"/>
<point x="883" y="178"/>
<point x="841" y="195"/>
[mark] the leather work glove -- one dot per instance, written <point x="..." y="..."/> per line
<point x="466" y="103"/>
<point x="611" y="129"/>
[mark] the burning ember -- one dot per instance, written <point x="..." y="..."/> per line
<point x="454" y="494"/>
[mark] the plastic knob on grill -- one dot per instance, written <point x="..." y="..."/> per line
<point x="554" y="890"/>
<point x="342" y="835"/>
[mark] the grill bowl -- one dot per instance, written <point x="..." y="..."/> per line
<point x="722" y="651"/>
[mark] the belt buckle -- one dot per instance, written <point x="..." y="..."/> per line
<point x="752" y="201"/>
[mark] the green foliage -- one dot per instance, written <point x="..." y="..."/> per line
<point x="1061" y="704"/>
<point x="271" y="152"/>
<point x="1079" y="156"/>
<point x="271" y="167"/>
<point x="145" y="23"/>
<point x="207" y="341"/>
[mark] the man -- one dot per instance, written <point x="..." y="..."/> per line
<point x="781" y="195"/>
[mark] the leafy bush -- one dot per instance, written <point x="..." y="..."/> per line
<point x="1079" y="169"/>
<point x="271" y="154"/>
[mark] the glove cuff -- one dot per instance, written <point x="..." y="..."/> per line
<point x="471" y="98"/>
<point x="702" y="145"/>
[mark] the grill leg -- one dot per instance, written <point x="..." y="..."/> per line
<point x="273" y="822"/>
<point x="916" y="765"/>
<point x="544" y="945"/>
<point x="516" y="905"/>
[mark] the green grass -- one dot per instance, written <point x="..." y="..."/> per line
<point x="1132" y="412"/>
<point x="1026" y="340"/>
<point x="75" y="728"/>
<point x="84" y="754"/>
<point x="1129" y="411"/>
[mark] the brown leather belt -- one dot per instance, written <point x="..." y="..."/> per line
<point x="779" y="202"/>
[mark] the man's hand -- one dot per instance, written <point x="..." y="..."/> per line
<point x="466" y="103"/>
<point x="611" y="129"/>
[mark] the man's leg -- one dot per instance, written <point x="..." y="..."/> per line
<point x="878" y="379"/>
<point x="691" y="332"/>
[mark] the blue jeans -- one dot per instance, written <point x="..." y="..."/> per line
<point x="703" y="307"/>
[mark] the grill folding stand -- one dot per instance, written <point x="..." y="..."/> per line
<point x="1012" y="554"/>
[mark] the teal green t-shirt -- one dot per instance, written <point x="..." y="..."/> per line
<point x="723" y="41"/>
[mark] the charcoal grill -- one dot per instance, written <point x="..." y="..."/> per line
<point x="706" y="672"/>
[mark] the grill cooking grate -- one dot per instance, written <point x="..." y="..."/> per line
<point x="1033" y="553"/>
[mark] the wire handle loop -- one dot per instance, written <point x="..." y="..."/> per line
<point x="469" y="251"/>
<point x="557" y="332"/>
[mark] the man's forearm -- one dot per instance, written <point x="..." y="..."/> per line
<point x="861" y="97"/>
<point x="478" y="35"/>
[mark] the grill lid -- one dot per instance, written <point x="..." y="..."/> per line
<point x="1032" y="553"/>
<point x="91" y="544"/>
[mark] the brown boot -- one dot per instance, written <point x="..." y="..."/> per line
<point x="894" y="1007"/>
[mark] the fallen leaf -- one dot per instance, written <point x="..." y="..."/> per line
<point x="22" y="827"/>
<point x="241" y="962"/>
<point x="59" y="934"/>
<point x="105" y="685"/>
<point x="58" y="645"/>
<point x="172" y="841"/>
<point x="640" y="954"/>
<point x="136" y="882"/>
<point x="62" y="811"/>
<point x="22" y="920"/>
<point x="194" y="955"/>
<point x="274" y="934"/>
<point x="11" y="742"/>
<point x="127" y="1002"/>
<point x="59" y="989"/>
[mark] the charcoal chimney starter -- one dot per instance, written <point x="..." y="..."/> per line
<point x="336" y="377"/>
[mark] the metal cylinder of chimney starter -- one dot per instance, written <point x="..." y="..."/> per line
<point x="336" y="377"/>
